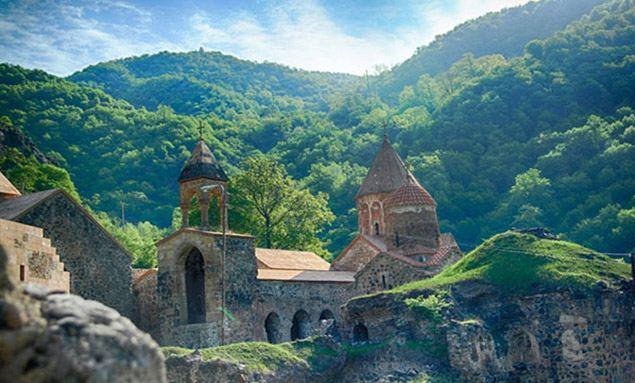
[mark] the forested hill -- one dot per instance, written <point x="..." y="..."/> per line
<point x="505" y="32"/>
<point x="211" y="82"/>
<point x="545" y="138"/>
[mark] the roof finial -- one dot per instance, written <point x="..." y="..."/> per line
<point x="200" y="130"/>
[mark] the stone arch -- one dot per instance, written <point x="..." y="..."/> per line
<point x="327" y="314"/>
<point x="272" y="328"/>
<point x="376" y="217"/>
<point x="360" y="333"/>
<point x="364" y="218"/>
<point x="300" y="328"/>
<point x="523" y="349"/>
<point x="195" y="286"/>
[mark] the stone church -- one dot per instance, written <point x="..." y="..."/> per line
<point x="216" y="288"/>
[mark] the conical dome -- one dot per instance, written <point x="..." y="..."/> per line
<point x="386" y="174"/>
<point x="410" y="194"/>
<point x="202" y="164"/>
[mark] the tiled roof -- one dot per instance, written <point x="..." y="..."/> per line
<point x="202" y="164"/>
<point x="14" y="207"/>
<point x="386" y="174"/>
<point x="291" y="259"/>
<point x="410" y="194"/>
<point x="6" y="187"/>
<point x="305" y="275"/>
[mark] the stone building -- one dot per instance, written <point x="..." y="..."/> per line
<point x="216" y="287"/>
<point x="94" y="263"/>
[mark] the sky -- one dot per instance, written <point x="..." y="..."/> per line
<point x="351" y="36"/>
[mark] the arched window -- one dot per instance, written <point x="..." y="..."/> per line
<point x="195" y="286"/>
<point x="396" y="239"/>
<point x="383" y="281"/>
<point x="272" y="327"/>
<point x="326" y="315"/>
<point x="376" y="228"/>
<point x="360" y="333"/>
<point x="301" y="325"/>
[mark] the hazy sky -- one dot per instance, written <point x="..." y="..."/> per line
<point x="342" y="35"/>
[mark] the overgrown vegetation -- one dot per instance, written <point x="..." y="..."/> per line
<point x="430" y="307"/>
<point x="535" y="134"/>
<point x="522" y="263"/>
<point x="265" y="357"/>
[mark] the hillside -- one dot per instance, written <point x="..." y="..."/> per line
<point x="541" y="139"/>
<point x="518" y="264"/>
<point x="211" y="82"/>
<point x="505" y="32"/>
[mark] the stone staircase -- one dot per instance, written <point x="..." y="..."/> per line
<point x="31" y="258"/>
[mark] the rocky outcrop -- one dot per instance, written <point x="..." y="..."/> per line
<point x="52" y="337"/>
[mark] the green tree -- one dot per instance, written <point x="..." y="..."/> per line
<point x="280" y="211"/>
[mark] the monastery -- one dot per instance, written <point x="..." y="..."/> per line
<point x="216" y="287"/>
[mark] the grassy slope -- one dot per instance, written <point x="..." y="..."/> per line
<point x="265" y="357"/>
<point x="522" y="263"/>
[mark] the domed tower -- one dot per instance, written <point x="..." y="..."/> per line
<point x="411" y="219"/>
<point x="202" y="177"/>
<point x="386" y="174"/>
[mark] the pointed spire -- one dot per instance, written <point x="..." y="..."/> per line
<point x="386" y="174"/>
<point x="202" y="164"/>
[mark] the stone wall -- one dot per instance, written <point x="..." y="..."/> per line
<point x="146" y="301"/>
<point x="31" y="258"/>
<point x="99" y="267"/>
<point x="385" y="272"/>
<point x="355" y="256"/>
<point x="240" y="277"/>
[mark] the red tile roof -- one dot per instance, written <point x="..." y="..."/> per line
<point x="410" y="194"/>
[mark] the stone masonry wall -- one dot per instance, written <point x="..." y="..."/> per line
<point x="385" y="272"/>
<point x="99" y="267"/>
<point x="31" y="258"/>
<point x="146" y="300"/>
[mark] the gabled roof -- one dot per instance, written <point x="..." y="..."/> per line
<point x="386" y="174"/>
<point x="13" y="208"/>
<point x="291" y="260"/>
<point x="305" y="275"/>
<point x="7" y="188"/>
<point x="202" y="164"/>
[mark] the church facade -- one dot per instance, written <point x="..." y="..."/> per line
<point x="216" y="287"/>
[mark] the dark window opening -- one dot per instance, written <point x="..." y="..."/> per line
<point x="22" y="273"/>
<point x="396" y="239"/>
<point x="301" y="325"/>
<point x="360" y="333"/>
<point x="272" y="327"/>
<point x="195" y="286"/>
<point x="383" y="281"/>
<point x="326" y="315"/>
<point x="376" y="228"/>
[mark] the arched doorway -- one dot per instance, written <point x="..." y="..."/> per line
<point x="327" y="315"/>
<point x="195" y="286"/>
<point x="272" y="327"/>
<point x="360" y="333"/>
<point x="301" y="325"/>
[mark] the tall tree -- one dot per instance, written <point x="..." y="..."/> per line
<point x="277" y="209"/>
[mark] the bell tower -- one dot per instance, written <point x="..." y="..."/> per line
<point x="202" y="177"/>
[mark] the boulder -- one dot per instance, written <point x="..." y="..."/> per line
<point x="52" y="337"/>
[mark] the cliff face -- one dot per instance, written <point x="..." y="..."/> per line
<point x="483" y="336"/>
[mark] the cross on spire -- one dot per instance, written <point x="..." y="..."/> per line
<point x="200" y="130"/>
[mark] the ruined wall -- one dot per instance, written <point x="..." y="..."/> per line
<point x="99" y="267"/>
<point x="31" y="258"/>
<point x="554" y="337"/>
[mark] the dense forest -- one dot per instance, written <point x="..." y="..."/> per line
<point x="534" y="125"/>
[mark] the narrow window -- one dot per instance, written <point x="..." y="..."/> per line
<point x="396" y="239"/>
<point x="383" y="281"/>
<point x="376" y="228"/>
<point x="22" y="273"/>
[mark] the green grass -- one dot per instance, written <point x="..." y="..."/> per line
<point x="439" y="377"/>
<point x="360" y="350"/>
<point x="430" y="307"/>
<point x="264" y="357"/>
<point x="522" y="263"/>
